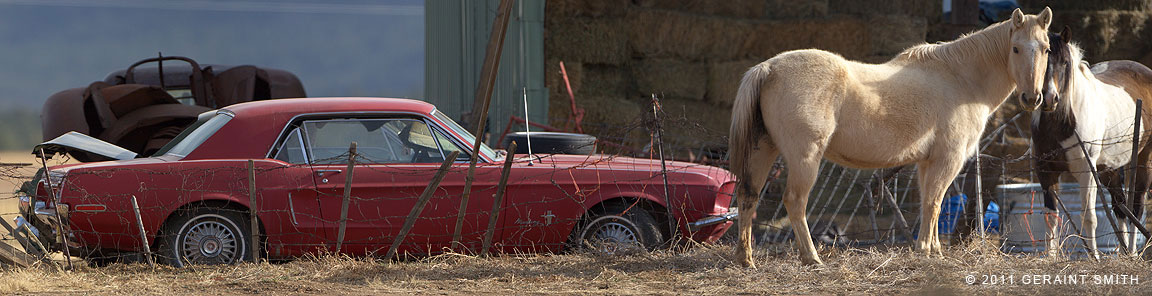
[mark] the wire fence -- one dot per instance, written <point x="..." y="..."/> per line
<point x="218" y="211"/>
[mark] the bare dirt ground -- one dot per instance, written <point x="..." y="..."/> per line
<point x="699" y="270"/>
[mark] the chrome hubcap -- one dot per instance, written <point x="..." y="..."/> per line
<point x="210" y="242"/>
<point x="614" y="236"/>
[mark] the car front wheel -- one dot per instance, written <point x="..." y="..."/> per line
<point x="205" y="237"/>
<point x="618" y="228"/>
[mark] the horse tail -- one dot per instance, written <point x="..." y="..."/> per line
<point x="747" y="124"/>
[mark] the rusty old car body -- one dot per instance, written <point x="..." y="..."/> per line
<point x="195" y="202"/>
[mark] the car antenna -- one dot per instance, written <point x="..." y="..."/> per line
<point x="527" y="133"/>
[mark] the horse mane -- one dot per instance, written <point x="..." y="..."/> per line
<point x="978" y="44"/>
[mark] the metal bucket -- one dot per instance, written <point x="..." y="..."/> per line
<point x="1024" y="230"/>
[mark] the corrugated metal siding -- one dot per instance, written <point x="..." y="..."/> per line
<point x="456" y="37"/>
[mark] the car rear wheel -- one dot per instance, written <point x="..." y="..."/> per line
<point x="617" y="228"/>
<point x="205" y="236"/>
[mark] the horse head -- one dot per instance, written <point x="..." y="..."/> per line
<point x="1028" y="56"/>
<point x="1059" y="71"/>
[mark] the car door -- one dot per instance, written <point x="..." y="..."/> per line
<point x="395" y="160"/>
<point x="289" y="194"/>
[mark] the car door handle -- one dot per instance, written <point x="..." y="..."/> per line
<point x="321" y="172"/>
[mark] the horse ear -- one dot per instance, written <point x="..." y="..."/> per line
<point x="1017" y="18"/>
<point x="1066" y="34"/>
<point x="1045" y="17"/>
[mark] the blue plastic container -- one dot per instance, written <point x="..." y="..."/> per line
<point x="953" y="208"/>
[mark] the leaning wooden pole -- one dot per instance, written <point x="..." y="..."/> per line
<point x="421" y="202"/>
<point x="143" y="235"/>
<point x="253" y="225"/>
<point x="1100" y="198"/>
<point x="481" y="101"/>
<point x="498" y="200"/>
<point x="347" y="196"/>
<point x="56" y="205"/>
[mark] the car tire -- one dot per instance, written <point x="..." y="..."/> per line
<point x="616" y="228"/>
<point x="552" y="143"/>
<point x="205" y="236"/>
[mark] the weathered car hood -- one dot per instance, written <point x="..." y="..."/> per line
<point x="74" y="142"/>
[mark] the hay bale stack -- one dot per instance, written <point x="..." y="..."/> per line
<point x="796" y="9"/>
<point x="724" y="79"/>
<point x="1109" y="34"/>
<point x="729" y="8"/>
<point x="585" y="8"/>
<point x="1058" y="6"/>
<point x="671" y="78"/>
<point x="929" y="9"/>
<point x="587" y="40"/>
<point x="891" y="34"/>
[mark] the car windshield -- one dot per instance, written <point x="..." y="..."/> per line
<point x="464" y="134"/>
<point x="206" y="124"/>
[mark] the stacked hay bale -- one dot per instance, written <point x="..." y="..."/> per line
<point x="693" y="52"/>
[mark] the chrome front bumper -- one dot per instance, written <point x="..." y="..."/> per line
<point x="732" y="215"/>
<point x="42" y="222"/>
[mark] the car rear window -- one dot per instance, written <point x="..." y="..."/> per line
<point x="205" y="126"/>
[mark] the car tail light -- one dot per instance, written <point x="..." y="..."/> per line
<point x="724" y="197"/>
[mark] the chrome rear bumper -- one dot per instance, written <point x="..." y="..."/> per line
<point x="732" y="215"/>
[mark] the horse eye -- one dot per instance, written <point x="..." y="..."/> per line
<point x="1014" y="50"/>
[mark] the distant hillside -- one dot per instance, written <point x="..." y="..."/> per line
<point x="19" y="130"/>
<point x="47" y="48"/>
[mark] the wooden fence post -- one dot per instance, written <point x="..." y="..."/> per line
<point x="56" y="207"/>
<point x="420" y="202"/>
<point x="143" y="235"/>
<point x="254" y="228"/>
<point x="482" y="100"/>
<point x="347" y="196"/>
<point x="499" y="198"/>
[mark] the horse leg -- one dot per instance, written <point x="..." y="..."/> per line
<point x="1050" y="184"/>
<point x="1083" y="174"/>
<point x="759" y="167"/>
<point x="934" y="176"/>
<point x="1114" y="182"/>
<point x="802" y="173"/>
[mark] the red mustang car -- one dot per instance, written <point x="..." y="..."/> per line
<point x="194" y="198"/>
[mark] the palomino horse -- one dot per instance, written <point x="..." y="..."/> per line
<point x="1078" y="107"/>
<point x="927" y="106"/>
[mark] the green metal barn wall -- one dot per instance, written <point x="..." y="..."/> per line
<point x="457" y="36"/>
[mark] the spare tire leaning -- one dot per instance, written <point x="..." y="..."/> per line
<point x="552" y="143"/>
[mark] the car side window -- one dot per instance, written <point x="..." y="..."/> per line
<point x="448" y="146"/>
<point x="292" y="150"/>
<point x="376" y="140"/>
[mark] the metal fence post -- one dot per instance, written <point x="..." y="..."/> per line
<point x="672" y="223"/>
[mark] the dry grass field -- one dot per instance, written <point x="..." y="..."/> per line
<point x="698" y="270"/>
<point x="694" y="270"/>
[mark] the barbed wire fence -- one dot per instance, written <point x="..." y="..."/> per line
<point x="391" y="211"/>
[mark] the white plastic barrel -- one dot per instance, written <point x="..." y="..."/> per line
<point x="1024" y="230"/>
